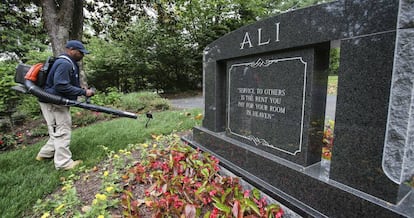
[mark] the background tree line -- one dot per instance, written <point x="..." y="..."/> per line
<point x="135" y="44"/>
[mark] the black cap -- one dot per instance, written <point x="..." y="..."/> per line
<point x="77" y="45"/>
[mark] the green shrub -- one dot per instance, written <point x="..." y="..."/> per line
<point x="82" y="117"/>
<point x="29" y="106"/>
<point x="143" y="101"/>
<point x="334" y="61"/>
<point x="7" y="141"/>
<point x="9" y="98"/>
<point x="110" y="97"/>
<point x="35" y="56"/>
<point x="39" y="131"/>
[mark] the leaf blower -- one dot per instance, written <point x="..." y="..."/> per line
<point x="29" y="84"/>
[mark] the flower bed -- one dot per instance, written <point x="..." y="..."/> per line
<point x="163" y="177"/>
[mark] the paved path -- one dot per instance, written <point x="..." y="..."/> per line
<point x="198" y="102"/>
<point x="187" y="103"/>
<point x="330" y="106"/>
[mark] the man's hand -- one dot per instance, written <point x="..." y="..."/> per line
<point x="90" y="92"/>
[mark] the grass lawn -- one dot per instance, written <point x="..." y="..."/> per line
<point x="24" y="180"/>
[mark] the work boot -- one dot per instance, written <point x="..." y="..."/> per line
<point x="73" y="165"/>
<point x="40" y="158"/>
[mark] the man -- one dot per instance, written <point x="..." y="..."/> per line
<point x="63" y="80"/>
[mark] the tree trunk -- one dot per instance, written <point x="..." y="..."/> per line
<point x="63" y="20"/>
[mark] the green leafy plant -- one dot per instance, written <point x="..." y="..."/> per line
<point x="81" y="117"/>
<point x="143" y="101"/>
<point x="61" y="204"/>
<point x="179" y="181"/>
<point x="186" y="182"/>
<point x="29" y="106"/>
<point x="9" y="141"/>
<point x="9" y="98"/>
<point x="67" y="204"/>
<point x="109" y="97"/>
<point x="39" y="131"/>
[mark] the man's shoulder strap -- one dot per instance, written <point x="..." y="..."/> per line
<point x="68" y="59"/>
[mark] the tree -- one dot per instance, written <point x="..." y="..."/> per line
<point x="21" y="29"/>
<point x="168" y="43"/>
<point x="63" y="20"/>
<point x="170" y="53"/>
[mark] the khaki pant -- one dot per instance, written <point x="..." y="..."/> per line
<point x="59" y="123"/>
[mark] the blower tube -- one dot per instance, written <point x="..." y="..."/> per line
<point x="54" y="99"/>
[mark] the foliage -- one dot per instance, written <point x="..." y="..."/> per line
<point x="181" y="182"/>
<point x="9" y="98"/>
<point x="63" y="206"/>
<point x="35" y="56"/>
<point x="21" y="28"/>
<point x="185" y="182"/>
<point x="108" y="18"/>
<point x="110" y="97"/>
<point x="8" y="141"/>
<point x="134" y="102"/>
<point x="168" y="37"/>
<point x="39" y="131"/>
<point x="81" y="117"/>
<point x="334" y="61"/>
<point x="20" y="165"/>
<point x="29" y="106"/>
<point x="106" y="69"/>
<point x="143" y="101"/>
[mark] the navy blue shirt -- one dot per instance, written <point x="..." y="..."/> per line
<point x="63" y="79"/>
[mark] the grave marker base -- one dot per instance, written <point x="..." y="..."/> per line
<point x="302" y="189"/>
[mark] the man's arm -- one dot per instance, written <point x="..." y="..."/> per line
<point x="62" y="81"/>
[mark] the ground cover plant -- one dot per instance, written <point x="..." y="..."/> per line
<point x="159" y="178"/>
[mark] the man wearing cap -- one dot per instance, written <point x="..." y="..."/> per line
<point x="63" y="80"/>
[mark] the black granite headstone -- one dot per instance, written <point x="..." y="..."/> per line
<point x="269" y="104"/>
<point x="265" y="92"/>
